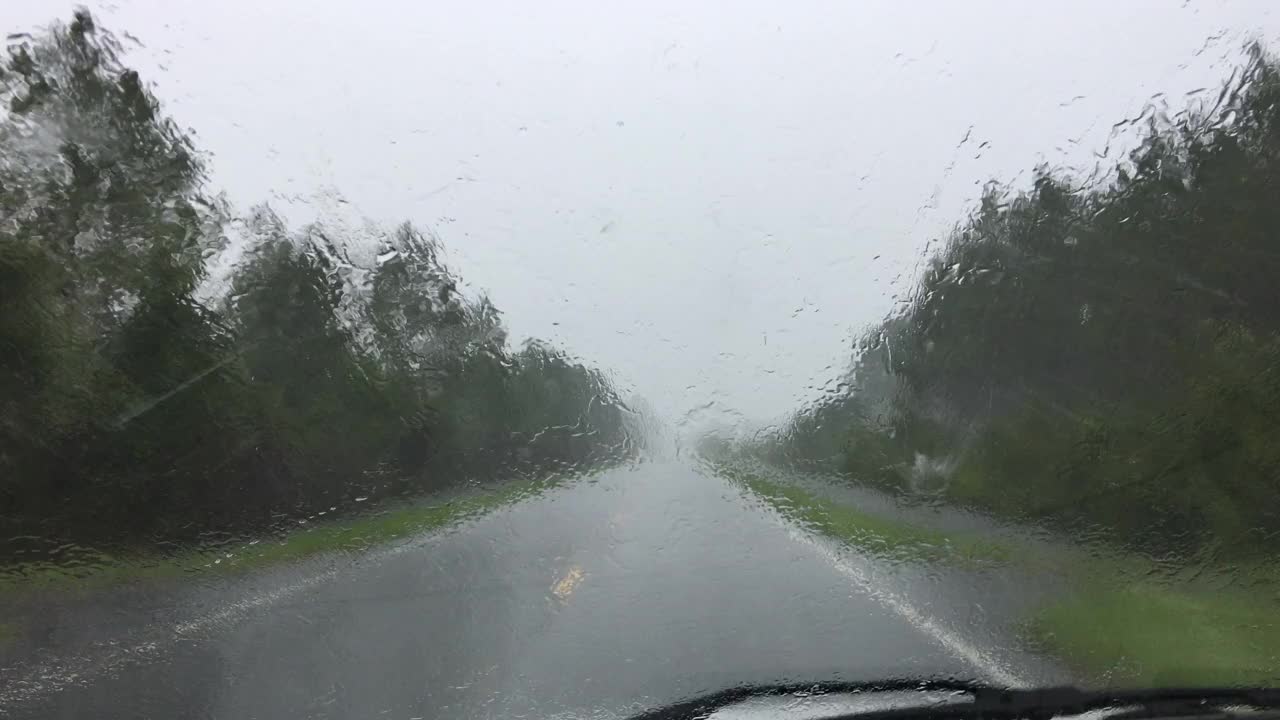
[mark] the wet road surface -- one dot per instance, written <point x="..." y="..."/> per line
<point x="597" y="599"/>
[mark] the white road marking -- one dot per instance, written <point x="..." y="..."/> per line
<point x="948" y="639"/>
<point x="56" y="675"/>
<point x="47" y="678"/>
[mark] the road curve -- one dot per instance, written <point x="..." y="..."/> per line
<point x="608" y="595"/>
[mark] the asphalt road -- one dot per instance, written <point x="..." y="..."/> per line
<point x="599" y="598"/>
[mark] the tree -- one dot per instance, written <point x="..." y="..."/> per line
<point x="1096" y="353"/>
<point x="135" y="408"/>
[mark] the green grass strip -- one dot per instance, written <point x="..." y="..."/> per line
<point x="1150" y="633"/>
<point x="1122" y="623"/>
<point x="99" y="570"/>
<point x="872" y="533"/>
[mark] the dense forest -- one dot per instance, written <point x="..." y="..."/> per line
<point x="150" y="393"/>
<point x="1099" y="353"/>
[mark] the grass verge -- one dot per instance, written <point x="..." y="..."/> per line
<point x="1125" y="622"/>
<point x="1162" y="634"/>
<point x="872" y="533"/>
<point x="92" y="571"/>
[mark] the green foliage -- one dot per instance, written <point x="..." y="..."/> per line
<point x="139" y="404"/>
<point x="1102" y="355"/>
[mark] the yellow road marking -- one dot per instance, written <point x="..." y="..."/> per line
<point x="565" y="586"/>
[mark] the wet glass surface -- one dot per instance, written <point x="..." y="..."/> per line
<point x="573" y="361"/>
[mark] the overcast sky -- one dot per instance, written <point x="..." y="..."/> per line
<point x="706" y="199"/>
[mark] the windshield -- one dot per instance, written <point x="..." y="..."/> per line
<point x="507" y="359"/>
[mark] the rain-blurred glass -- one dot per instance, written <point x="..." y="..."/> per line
<point x="396" y="361"/>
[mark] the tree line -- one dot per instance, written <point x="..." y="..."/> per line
<point x="149" y="395"/>
<point x="1098" y="353"/>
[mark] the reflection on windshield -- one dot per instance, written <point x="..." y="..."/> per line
<point x="270" y="457"/>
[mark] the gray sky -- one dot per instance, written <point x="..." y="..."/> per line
<point x="706" y="199"/>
